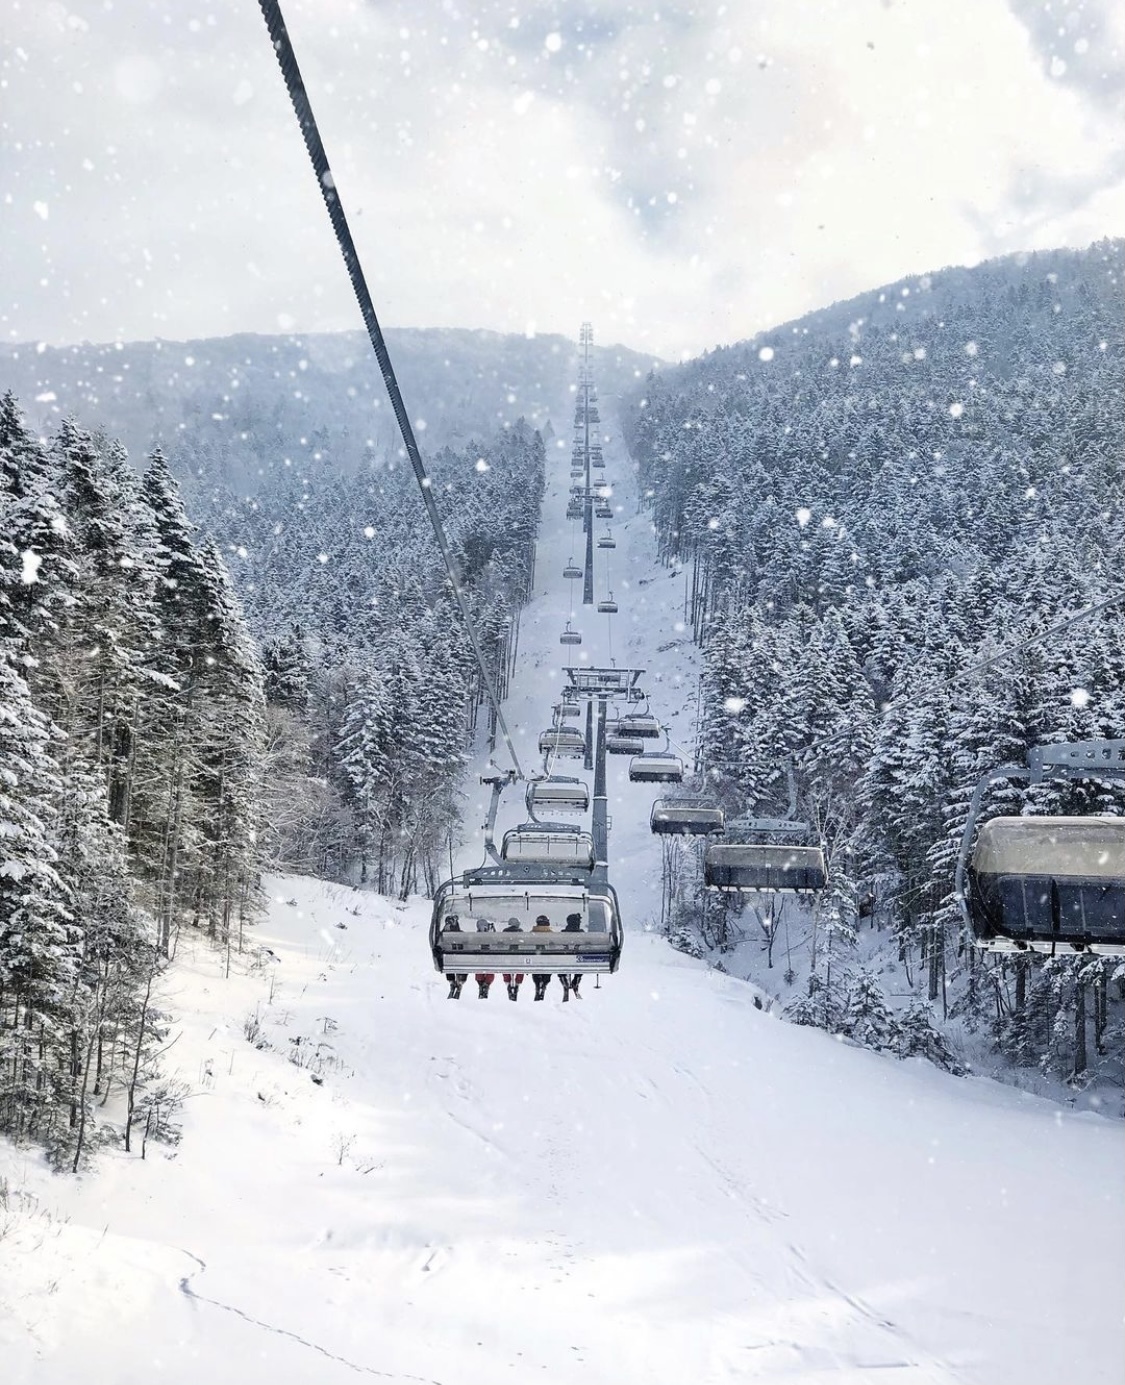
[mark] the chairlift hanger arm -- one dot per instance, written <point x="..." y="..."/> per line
<point x="287" y="60"/>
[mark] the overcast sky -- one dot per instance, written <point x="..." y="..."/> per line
<point x="682" y="174"/>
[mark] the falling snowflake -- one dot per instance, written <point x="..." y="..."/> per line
<point x="803" y="516"/>
<point x="1079" y="697"/>
<point x="734" y="705"/>
<point x="766" y="353"/>
<point x="956" y="410"/>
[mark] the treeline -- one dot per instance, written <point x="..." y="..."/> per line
<point x="372" y="693"/>
<point x="870" y="502"/>
<point x="131" y="740"/>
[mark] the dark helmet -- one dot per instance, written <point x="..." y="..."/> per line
<point x="542" y="919"/>
<point x="574" y="923"/>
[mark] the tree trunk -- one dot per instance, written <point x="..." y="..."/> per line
<point x="1079" y="1028"/>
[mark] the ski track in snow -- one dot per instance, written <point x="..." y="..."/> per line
<point x="657" y="1184"/>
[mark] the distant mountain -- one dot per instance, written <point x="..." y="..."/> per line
<point x="1007" y="299"/>
<point x="245" y="404"/>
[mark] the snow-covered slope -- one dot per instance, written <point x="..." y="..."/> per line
<point x="657" y="1183"/>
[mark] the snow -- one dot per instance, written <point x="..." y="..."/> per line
<point x="659" y="1182"/>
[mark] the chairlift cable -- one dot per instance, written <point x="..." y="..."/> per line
<point x="287" y="61"/>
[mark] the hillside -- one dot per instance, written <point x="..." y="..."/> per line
<point x="657" y="1184"/>
<point x="230" y="411"/>
<point x="871" y="502"/>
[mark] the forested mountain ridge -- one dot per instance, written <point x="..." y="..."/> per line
<point x="235" y="412"/>
<point x="871" y="500"/>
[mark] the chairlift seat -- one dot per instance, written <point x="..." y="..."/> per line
<point x="607" y="608"/>
<point x="572" y="572"/>
<point x="570" y="636"/>
<point x="606" y="541"/>
<point x="655" y="769"/>
<point x="562" y="740"/>
<point x="549" y="844"/>
<point x="603" y="511"/>
<point x="685" y="817"/>
<point x="764" y="868"/>
<point x="623" y="745"/>
<point x="640" y="724"/>
<point x="1038" y="883"/>
<point x="558" y="794"/>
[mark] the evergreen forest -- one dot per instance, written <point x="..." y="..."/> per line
<point x="870" y="505"/>
<point x="159" y="747"/>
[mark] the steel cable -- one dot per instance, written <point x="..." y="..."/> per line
<point x="287" y="61"/>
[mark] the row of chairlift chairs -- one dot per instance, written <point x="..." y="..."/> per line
<point x="485" y="920"/>
<point x="1045" y="883"/>
<point x="625" y="736"/>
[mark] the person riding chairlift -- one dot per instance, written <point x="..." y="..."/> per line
<point x="484" y="979"/>
<point x="570" y="983"/>
<point x="541" y="979"/>
<point x="513" y="980"/>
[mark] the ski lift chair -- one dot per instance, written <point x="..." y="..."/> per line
<point x="764" y="868"/>
<point x="1043" y="883"/>
<point x="643" y="725"/>
<point x="562" y="740"/>
<point x="557" y="794"/>
<point x="685" y="817"/>
<point x="603" y="511"/>
<point x="607" y="607"/>
<point x="549" y="844"/>
<point x="572" y="572"/>
<point x="658" y="768"/>
<point x="518" y="894"/>
<point x="616" y="744"/>
<point x="570" y="636"/>
<point x="606" y="540"/>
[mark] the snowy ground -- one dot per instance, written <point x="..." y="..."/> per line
<point x="657" y="1183"/>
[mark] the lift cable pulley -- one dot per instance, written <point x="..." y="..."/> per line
<point x="283" y="48"/>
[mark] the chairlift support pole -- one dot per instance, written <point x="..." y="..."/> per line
<point x="499" y="782"/>
<point x="588" y="576"/>
<point x="600" y="813"/>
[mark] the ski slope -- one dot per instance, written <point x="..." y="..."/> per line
<point x="658" y="1184"/>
